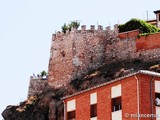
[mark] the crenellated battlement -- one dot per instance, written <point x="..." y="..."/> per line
<point x="59" y="35"/>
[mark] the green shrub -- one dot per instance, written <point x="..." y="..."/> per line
<point x="64" y="28"/>
<point x="134" y="23"/>
<point x="43" y="73"/>
<point x="73" y="24"/>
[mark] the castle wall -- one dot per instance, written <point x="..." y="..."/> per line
<point x="149" y="55"/>
<point x="121" y="50"/>
<point x="36" y="86"/>
<point x="60" y="65"/>
<point x="78" y="52"/>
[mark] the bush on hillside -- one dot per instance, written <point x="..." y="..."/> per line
<point x="134" y="23"/>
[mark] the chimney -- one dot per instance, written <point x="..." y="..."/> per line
<point x="157" y="18"/>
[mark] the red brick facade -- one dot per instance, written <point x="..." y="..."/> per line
<point x="135" y="85"/>
<point x="128" y="34"/>
<point x="148" y="42"/>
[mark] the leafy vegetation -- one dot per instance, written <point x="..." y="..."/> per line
<point x="43" y="73"/>
<point x="134" y="23"/>
<point x="64" y="28"/>
<point x="145" y="34"/>
<point x="73" y="24"/>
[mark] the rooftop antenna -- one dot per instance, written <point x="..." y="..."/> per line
<point x="97" y="24"/>
<point x="147" y="14"/>
<point x="55" y="31"/>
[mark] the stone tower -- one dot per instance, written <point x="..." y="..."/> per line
<point x="77" y="52"/>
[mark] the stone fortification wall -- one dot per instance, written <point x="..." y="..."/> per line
<point x="75" y="53"/>
<point x="78" y="52"/>
<point x="36" y="86"/>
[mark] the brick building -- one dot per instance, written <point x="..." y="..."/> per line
<point x="125" y="98"/>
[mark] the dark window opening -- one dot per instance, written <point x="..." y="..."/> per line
<point x="72" y="115"/>
<point x="116" y="104"/>
<point x="157" y="95"/>
<point x="93" y="110"/>
<point x="157" y="99"/>
<point x="159" y="17"/>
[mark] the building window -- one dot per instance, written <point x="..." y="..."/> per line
<point x="71" y="109"/>
<point x="116" y="104"/>
<point x="157" y="99"/>
<point x="159" y="17"/>
<point x="93" y="105"/>
<point x="93" y="110"/>
<point x="71" y="115"/>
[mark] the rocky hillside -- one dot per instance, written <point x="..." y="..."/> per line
<point x="49" y="105"/>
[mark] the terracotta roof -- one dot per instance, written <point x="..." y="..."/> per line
<point x="145" y="72"/>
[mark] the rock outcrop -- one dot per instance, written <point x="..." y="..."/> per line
<point x="49" y="106"/>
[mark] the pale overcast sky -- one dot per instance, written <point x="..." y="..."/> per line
<point x="26" y="27"/>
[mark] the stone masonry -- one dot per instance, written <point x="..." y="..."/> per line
<point x="36" y="86"/>
<point x="76" y="53"/>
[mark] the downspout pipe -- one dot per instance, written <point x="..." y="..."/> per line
<point x="151" y="96"/>
<point x="138" y="100"/>
<point x="64" y="110"/>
